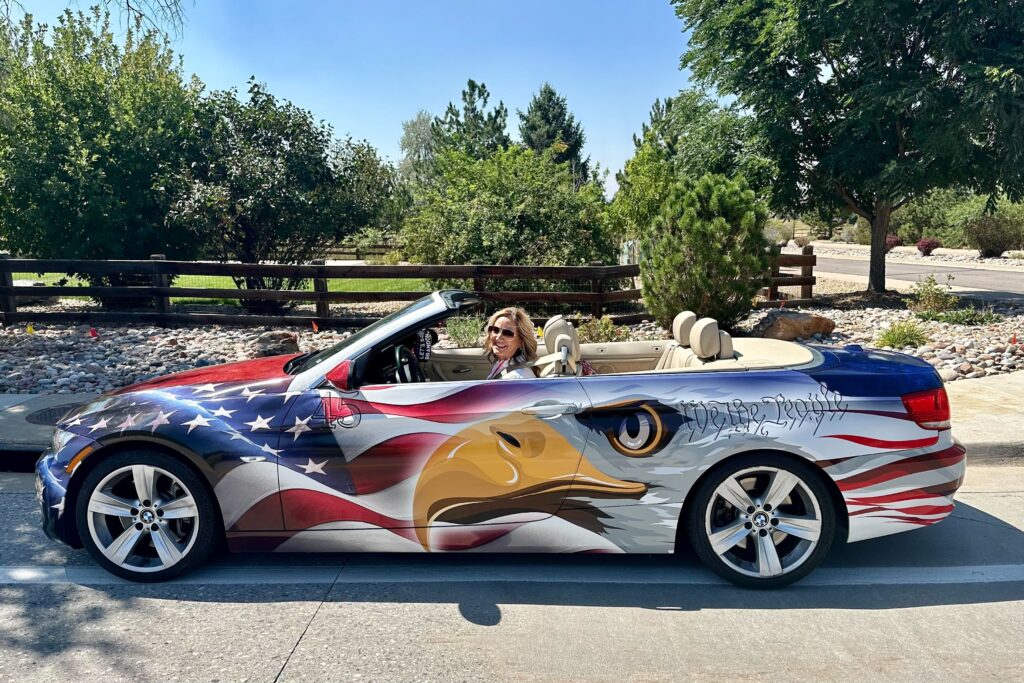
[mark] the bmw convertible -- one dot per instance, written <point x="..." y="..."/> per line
<point x="758" y="453"/>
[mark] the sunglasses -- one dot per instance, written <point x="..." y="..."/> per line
<point x="494" y="329"/>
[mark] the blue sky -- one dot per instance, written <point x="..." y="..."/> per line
<point x="365" y="66"/>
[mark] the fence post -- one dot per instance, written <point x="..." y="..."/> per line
<point x="807" y="291"/>
<point x="597" y="286"/>
<point x="478" y="279"/>
<point x="323" y="308"/>
<point x="773" y="289"/>
<point x="8" y="304"/>
<point x="163" y="302"/>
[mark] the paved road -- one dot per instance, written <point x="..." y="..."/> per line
<point x="996" y="281"/>
<point x="945" y="602"/>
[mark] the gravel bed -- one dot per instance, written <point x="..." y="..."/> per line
<point x="67" y="359"/>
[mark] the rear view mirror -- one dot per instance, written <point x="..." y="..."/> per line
<point x="341" y="376"/>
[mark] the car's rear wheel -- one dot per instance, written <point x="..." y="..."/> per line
<point x="146" y="516"/>
<point x="761" y="520"/>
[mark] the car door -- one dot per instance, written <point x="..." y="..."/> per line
<point x="414" y="457"/>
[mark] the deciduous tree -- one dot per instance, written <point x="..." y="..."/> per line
<point x="869" y="104"/>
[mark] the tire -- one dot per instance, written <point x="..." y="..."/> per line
<point x="146" y="516"/>
<point x="761" y="520"/>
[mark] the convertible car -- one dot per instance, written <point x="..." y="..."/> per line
<point x="759" y="453"/>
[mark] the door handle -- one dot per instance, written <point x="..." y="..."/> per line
<point x="460" y="371"/>
<point x="552" y="409"/>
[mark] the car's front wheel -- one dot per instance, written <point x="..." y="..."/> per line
<point x="146" y="516"/>
<point x="761" y="520"/>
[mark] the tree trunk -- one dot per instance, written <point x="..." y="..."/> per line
<point x="879" y="230"/>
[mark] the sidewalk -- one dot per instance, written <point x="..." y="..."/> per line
<point x="987" y="418"/>
<point x="983" y="295"/>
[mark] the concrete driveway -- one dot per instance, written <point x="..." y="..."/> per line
<point x="944" y="602"/>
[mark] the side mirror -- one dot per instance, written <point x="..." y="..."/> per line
<point x="341" y="376"/>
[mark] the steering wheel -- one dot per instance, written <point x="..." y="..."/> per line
<point x="407" y="368"/>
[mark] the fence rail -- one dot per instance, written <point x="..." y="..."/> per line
<point x="602" y="282"/>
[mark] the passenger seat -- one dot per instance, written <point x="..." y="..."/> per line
<point x="677" y="350"/>
<point x="707" y="344"/>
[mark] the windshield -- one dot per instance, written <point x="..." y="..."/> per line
<point x="321" y="356"/>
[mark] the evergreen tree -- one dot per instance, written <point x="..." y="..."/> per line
<point x="705" y="252"/>
<point x="473" y="130"/>
<point x="547" y="123"/>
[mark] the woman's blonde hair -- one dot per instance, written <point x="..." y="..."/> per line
<point x="524" y="331"/>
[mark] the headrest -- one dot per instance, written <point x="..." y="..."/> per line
<point x="725" y="344"/>
<point x="704" y="339"/>
<point x="559" y="333"/>
<point x="681" y="326"/>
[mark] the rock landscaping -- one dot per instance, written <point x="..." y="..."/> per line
<point x="61" y="359"/>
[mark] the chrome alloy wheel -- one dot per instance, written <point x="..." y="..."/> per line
<point x="763" y="521"/>
<point x="143" y="518"/>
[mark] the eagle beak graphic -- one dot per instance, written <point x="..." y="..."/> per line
<point x="517" y="464"/>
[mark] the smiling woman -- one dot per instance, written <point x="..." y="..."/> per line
<point x="511" y="342"/>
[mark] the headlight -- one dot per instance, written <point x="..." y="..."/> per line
<point x="60" y="439"/>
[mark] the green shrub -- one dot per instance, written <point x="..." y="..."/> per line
<point x="514" y="207"/>
<point x="862" y="232"/>
<point x="465" y="330"/>
<point x="902" y="334"/>
<point x="601" y="331"/>
<point x="706" y="252"/>
<point x="962" y="316"/>
<point x="930" y="296"/>
<point x="778" y="231"/>
<point x="994" y="234"/>
<point x="990" y="233"/>
<point x="929" y="216"/>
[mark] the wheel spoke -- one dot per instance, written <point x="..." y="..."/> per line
<point x="807" y="528"/>
<point x="768" y="563"/>
<point x="180" y="508"/>
<point x="143" y="476"/>
<point x="165" y="546"/>
<point x="782" y="484"/>
<point x="106" y="504"/>
<point x="118" y="551"/>
<point x="735" y="494"/>
<point x="726" y="539"/>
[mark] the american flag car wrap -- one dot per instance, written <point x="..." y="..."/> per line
<point x="487" y="466"/>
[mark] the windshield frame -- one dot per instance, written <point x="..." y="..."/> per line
<point x="434" y="306"/>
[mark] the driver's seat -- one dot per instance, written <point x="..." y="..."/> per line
<point x="563" y="346"/>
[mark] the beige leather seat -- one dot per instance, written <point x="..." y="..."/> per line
<point x="675" y="353"/>
<point x="708" y="345"/>
<point x="563" y="346"/>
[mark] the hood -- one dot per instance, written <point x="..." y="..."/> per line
<point x="257" y="369"/>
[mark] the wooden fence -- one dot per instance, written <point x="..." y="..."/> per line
<point x="604" y="288"/>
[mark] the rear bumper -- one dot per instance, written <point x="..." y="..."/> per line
<point x="886" y="495"/>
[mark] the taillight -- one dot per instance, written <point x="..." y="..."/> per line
<point x="929" y="409"/>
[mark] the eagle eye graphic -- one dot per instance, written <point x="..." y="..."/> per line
<point x="637" y="429"/>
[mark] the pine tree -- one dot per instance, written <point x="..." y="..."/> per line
<point x="472" y="130"/>
<point x="705" y="252"/>
<point x="548" y="122"/>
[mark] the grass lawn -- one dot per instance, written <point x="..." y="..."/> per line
<point x="225" y="282"/>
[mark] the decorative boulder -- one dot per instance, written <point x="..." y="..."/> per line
<point x="38" y="300"/>
<point x="276" y="343"/>
<point x="788" y="325"/>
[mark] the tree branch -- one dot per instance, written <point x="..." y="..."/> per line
<point x="848" y="200"/>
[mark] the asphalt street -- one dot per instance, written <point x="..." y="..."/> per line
<point x="999" y="284"/>
<point x="944" y="602"/>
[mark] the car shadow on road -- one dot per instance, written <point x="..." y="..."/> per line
<point x="47" y="619"/>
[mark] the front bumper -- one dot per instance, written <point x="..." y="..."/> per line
<point x="58" y="517"/>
